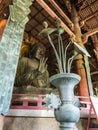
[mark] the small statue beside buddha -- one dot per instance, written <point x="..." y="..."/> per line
<point x="32" y="67"/>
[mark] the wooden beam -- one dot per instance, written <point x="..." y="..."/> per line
<point x="93" y="65"/>
<point x="89" y="33"/>
<point x="71" y="25"/>
<point x="93" y="73"/>
<point x="68" y="5"/>
<point x="54" y="16"/>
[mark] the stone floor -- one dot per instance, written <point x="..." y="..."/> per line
<point x="29" y="123"/>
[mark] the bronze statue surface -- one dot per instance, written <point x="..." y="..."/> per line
<point x="32" y="70"/>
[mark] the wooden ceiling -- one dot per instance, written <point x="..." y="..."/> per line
<point x="88" y="19"/>
<point x="87" y="11"/>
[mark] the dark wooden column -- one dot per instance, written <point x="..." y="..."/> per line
<point x="83" y="86"/>
<point x="95" y="43"/>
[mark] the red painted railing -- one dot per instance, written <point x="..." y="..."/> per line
<point x="28" y="101"/>
<point x="35" y="101"/>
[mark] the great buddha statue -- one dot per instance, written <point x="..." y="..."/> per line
<point x="32" y="68"/>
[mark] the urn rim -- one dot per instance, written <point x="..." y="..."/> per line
<point x="62" y="75"/>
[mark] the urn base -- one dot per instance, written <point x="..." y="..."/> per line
<point x="68" y="126"/>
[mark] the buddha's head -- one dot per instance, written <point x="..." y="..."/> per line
<point x="37" y="51"/>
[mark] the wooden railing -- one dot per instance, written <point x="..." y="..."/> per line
<point x="28" y="101"/>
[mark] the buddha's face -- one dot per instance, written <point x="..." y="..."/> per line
<point x="40" y="53"/>
<point x="37" y="51"/>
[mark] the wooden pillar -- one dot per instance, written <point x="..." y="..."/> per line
<point x="95" y="43"/>
<point x="1" y="122"/>
<point x="83" y="87"/>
